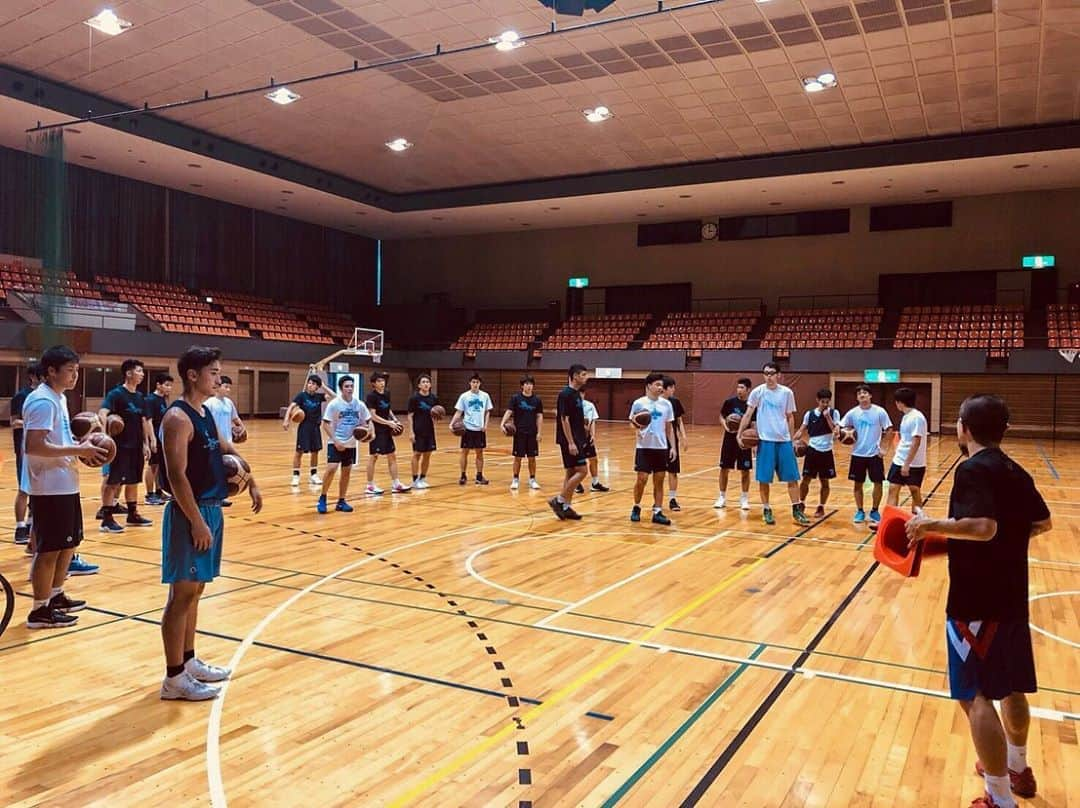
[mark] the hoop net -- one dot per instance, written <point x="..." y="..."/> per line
<point x="367" y="342"/>
<point x="1068" y="354"/>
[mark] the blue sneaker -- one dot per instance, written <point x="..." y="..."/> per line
<point x="635" y="514"/>
<point x="80" y="567"/>
<point x="860" y="517"/>
<point x="343" y="506"/>
<point x="321" y="506"/>
<point x="875" y="518"/>
<point x="110" y="526"/>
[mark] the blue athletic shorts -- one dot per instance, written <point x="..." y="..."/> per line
<point x="179" y="559"/>
<point x="989" y="657"/>
<point x="774" y="457"/>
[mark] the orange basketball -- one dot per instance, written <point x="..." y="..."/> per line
<point x="731" y="423"/>
<point x="239" y="434"/>
<point x="84" y="423"/>
<point x="509" y="428"/>
<point x="438" y="411"/>
<point x="114" y="425"/>
<point x="297" y="416"/>
<point x="750" y="437"/>
<point x="800" y="447"/>
<point x="237" y="473"/>
<point x="106" y="443"/>
<point x="642" y="419"/>
<point x="848" y="436"/>
<point x="457" y="426"/>
<point x="364" y="433"/>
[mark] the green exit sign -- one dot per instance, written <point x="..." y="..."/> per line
<point x="1038" y="261"/>
<point x="881" y="376"/>
<point x="579" y="283"/>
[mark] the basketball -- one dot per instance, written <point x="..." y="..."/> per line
<point x="397" y="428"/>
<point x="848" y="436"/>
<point x="800" y="448"/>
<point x="364" y="433"/>
<point x="297" y="416"/>
<point x="438" y="411"/>
<point x="106" y="443"/>
<point x="749" y="437"/>
<point x="457" y="426"/>
<point x="642" y="419"/>
<point x="509" y="428"/>
<point x="731" y="423"/>
<point x="114" y="425"/>
<point x="239" y="434"/>
<point x="84" y="423"/>
<point x="237" y="473"/>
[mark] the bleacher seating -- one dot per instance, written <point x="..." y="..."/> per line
<point x="19" y="277"/>
<point x="498" y="337"/>
<point x="610" y="332"/>
<point x="992" y="328"/>
<point x="1063" y="326"/>
<point x="338" y="326"/>
<point x="822" y="329"/>
<point x="267" y="317"/>
<point x="708" y="330"/>
<point x="174" y="307"/>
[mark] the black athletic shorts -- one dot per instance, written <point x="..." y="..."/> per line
<point x="650" y="461"/>
<point x="733" y="457"/>
<point x="346" y="457"/>
<point x="525" y="445"/>
<point x="156" y="458"/>
<point x="675" y="466"/>
<point x="382" y="443"/>
<point x="915" y="477"/>
<point x="573" y="461"/>
<point x="423" y="442"/>
<point x="58" y="523"/>
<point x="127" y="467"/>
<point x="861" y="467"/>
<point x="819" y="465"/>
<point x="474" y="440"/>
<point x="308" y="439"/>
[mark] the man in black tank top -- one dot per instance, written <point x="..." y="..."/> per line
<point x="193" y="525"/>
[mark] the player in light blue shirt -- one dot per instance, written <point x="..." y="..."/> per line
<point x="871" y="423"/>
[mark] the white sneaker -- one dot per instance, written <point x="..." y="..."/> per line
<point x="421" y="483"/>
<point x="401" y="488"/>
<point x="295" y="481"/>
<point x="533" y="484"/>
<point x="372" y="489"/>
<point x="184" y="687"/>
<point x="314" y="479"/>
<point x="514" y="484"/>
<point x="721" y="502"/>
<point x="744" y="502"/>
<point x="202" y="672"/>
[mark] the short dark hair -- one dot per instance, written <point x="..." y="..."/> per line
<point x="772" y="365"/>
<point x="905" y="395"/>
<point x="863" y="387"/>
<point x="825" y="392"/>
<point x="34" y="369"/>
<point x="476" y="376"/>
<point x="527" y="379"/>
<point x="744" y="381"/>
<point x="423" y="376"/>
<point x="654" y="377"/>
<point x="196" y="358"/>
<point x="130" y="364"/>
<point x="162" y="378"/>
<point x="380" y="374"/>
<point x="575" y="370"/>
<point x="226" y="379"/>
<point x="986" y="417"/>
<point x="313" y="379"/>
<point x="343" y="379"/>
<point x="669" y="381"/>
<point x="55" y="357"/>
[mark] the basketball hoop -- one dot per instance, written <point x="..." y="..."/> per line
<point x="1068" y="354"/>
<point x="364" y="342"/>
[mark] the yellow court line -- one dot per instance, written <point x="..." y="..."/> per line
<point x="560" y="695"/>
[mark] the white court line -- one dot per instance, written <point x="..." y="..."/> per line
<point x="213" y="727"/>
<point x="622" y="582"/>
<point x="1043" y="631"/>
<point x="808" y="673"/>
<point x="476" y="554"/>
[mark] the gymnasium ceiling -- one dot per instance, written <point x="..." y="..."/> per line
<point x="713" y="82"/>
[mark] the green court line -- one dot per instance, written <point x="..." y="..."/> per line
<point x="672" y="739"/>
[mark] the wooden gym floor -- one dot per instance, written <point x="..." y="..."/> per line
<point x="461" y="647"/>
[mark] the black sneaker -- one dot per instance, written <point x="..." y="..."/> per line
<point x="463" y="480"/>
<point x="557" y="507"/>
<point x="819" y="512"/>
<point x="600" y="488"/>
<point x="118" y="509"/>
<point x="109" y="525"/>
<point x="22" y="535"/>
<point x="481" y="480"/>
<point x="62" y="603"/>
<point x="135" y="520"/>
<point x="673" y="504"/>
<point x="659" y="519"/>
<point x="570" y="513"/>
<point x="635" y="513"/>
<point x="47" y="617"/>
<point x="154" y="499"/>
<point x="226" y="503"/>
<point x="580" y="489"/>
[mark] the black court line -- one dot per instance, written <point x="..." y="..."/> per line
<point x="736" y="743"/>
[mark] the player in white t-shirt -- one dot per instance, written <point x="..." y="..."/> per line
<point x="592" y="417"/>
<point x="226" y="417"/>
<point x="654" y="448"/>
<point x="339" y="421"/>
<point x="473" y="408"/>
<point x="50" y="475"/>
<point x="909" y="461"/>
<point x="774" y="406"/>
<point x="870" y="423"/>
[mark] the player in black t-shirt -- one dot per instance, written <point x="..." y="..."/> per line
<point x="132" y="448"/>
<point x="733" y="456"/>
<point x="156" y="404"/>
<point x="573" y="440"/>
<point x="422" y="429"/>
<point x="675" y="466"/>
<point x="309" y="401"/>
<point x="994" y="510"/>
<point x="386" y="426"/>
<point x="22" y="499"/>
<point x="527" y="410"/>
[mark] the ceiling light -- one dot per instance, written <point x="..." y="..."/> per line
<point x="506" y="41"/>
<point x="108" y="23"/>
<point x="598" y="115"/>
<point x="398" y="144"/>
<point x="815" y="84"/>
<point x="283" y="96"/>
